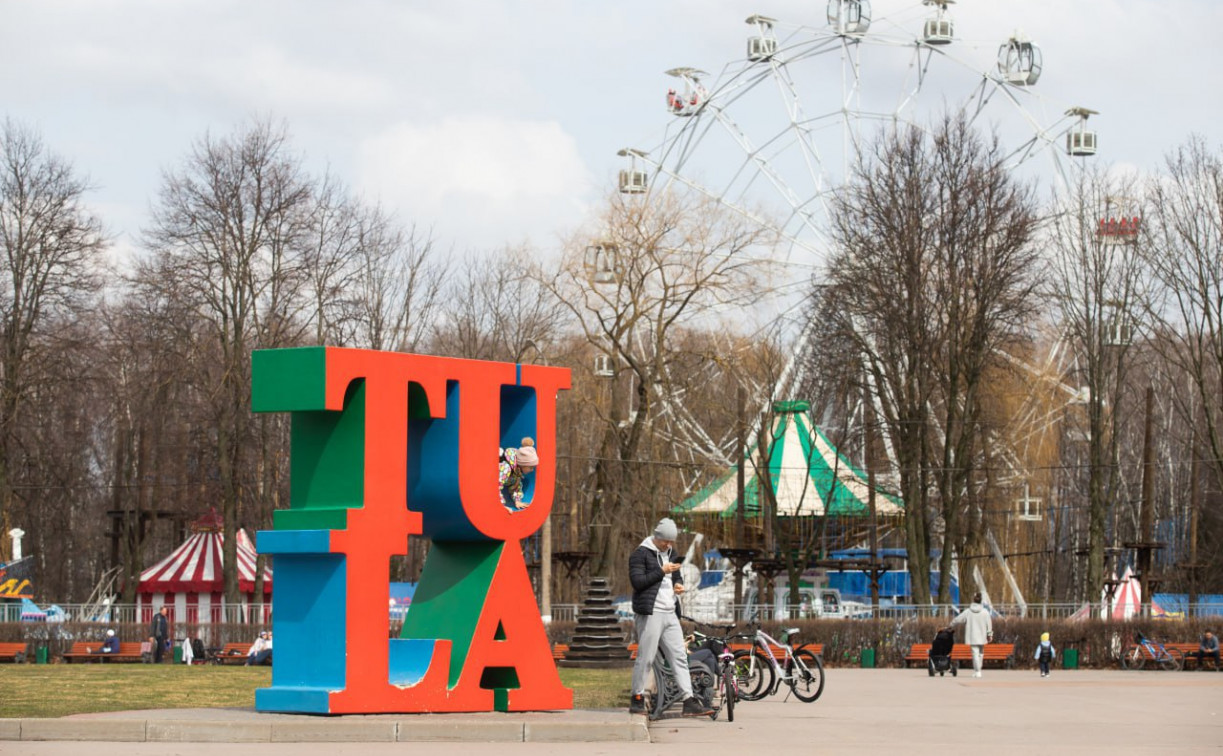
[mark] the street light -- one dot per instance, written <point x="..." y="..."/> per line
<point x="545" y="539"/>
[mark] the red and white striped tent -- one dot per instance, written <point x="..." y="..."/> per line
<point x="1127" y="601"/>
<point x="190" y="580"/>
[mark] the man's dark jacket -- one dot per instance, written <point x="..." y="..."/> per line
<point x="645" y="573"/>
<point x="161" y="629"/>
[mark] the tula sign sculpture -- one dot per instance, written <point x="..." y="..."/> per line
<point x="387" y="445"/>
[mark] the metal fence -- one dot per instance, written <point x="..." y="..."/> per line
<point x="126" y="613"/>
<point x="118" y="614"/>
<point x="898" y="611"/>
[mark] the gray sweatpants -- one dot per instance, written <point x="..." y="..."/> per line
<point x="977" y="653"/>
<point x="660" y="631"/>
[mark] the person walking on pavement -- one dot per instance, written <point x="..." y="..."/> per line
<point x="161" y="632"/>
<point x="1045" y="653"/>
<point x="656" y="583"/>
<point x="978" y="630"/>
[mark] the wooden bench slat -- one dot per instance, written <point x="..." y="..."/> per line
<point x="14" y="652"/>
<point x="233" y="653"/>
<point x="91" y="650"/>
<point x="1003" y="652"/>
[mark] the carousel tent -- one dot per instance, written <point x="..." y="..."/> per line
<point x="191" y="580"/>
<point x="1127" y="601"/>
<point x="809" y="476"/>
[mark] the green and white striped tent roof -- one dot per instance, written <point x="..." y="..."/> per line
<point x="802" y="469"/>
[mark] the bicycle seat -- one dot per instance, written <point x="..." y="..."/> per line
<point x="788" y="633"/>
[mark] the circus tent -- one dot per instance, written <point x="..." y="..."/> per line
<point x="190" y="580"/>
<point x="809" y="476"/>
<point x="1127" y="601"/>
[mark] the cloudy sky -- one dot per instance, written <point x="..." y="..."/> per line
<point x="497" y="122"/>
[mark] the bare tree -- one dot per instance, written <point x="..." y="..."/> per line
<point x="330" y="247"/>
<point x="659" y="268"/>
<point x="1182" y="246"/>
<point x="1095" y="283"/>
<point x="398" y="283"/>
<point x="495" y="310"/>
<point x="52" y="247"/>
<point x="933" y="272"/>
<point x="147" y="350"/>
<point x="1182" y="249"/>
<point x="229" y="229"/>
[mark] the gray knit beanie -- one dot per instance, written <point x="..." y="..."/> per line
<point x="666" y="530"/>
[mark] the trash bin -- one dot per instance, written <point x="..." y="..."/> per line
<point x="178" y="654"/>
<point x="868" y="658"/>
<point x="40" y="655"/>
<point x="1070" y="658"/>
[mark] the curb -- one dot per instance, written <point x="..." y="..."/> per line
<point x="428" y="729"/>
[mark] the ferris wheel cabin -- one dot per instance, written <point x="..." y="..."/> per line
<point x="602" y="263"/>
<point x="938" y="30"/>
<point x="691" y="98"/>
<point x="849" y="16"/>
<point x="633" y="180"/>
<point x="1080" y="142"/>
<point x="604" y="366"/>
<point x="764" y="45"/>
<point x="1019" y="61"/>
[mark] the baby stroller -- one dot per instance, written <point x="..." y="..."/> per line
<point x="940" y="653"/>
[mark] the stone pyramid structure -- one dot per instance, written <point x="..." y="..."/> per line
<point x="598" y="640"/>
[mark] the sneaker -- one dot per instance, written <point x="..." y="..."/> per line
<point x="694" y="708"/>
<point x="976" y="674"/>
<point x="636" y="704"/>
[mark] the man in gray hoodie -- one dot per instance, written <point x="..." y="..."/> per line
<point x="978" y="630"/>
<point x="656" y="585"/>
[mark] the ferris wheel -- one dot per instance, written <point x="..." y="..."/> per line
<point x="773" y="134"/>
<point x="777" y="131"/>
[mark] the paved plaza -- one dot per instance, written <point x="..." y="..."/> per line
<point x="861" y="712"/>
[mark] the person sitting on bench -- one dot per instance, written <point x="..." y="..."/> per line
<point x="1209" y="646"/>
<point x="111" y="644"/>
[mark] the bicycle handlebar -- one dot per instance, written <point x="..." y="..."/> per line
<point x="714" y="625"/>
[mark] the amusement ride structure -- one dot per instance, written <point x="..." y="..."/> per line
<point x="775" y="133"/>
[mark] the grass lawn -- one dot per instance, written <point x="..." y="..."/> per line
<point x="56" y="690"/>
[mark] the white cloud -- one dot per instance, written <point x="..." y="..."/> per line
<point x="480" y="180"/>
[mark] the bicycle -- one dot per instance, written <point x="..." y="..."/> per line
<point x="759" y="673"/>
<point x="1135" y="655"/>
<point x="708" y="685"/>
<point x="727" y="686"/>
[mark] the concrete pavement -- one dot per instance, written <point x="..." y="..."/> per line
<point x="249" y="726"/>
<point x="1081" y="712"/>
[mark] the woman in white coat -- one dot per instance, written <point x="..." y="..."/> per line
<point x="978" y="630"/>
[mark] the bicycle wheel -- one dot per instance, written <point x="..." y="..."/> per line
<point x="728" y="692"/>
<point x="807" y="677"/>
<point x="754" y="675"/>
<point x="1172" y="659"/>
<point x="1132" y="657"/>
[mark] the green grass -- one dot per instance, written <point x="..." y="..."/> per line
<point x="56" y="690"/>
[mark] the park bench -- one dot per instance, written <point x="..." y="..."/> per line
<point x="14" y="652"/>
<point x="92" y="651"/>
<point x="815" y="648"/>
<point x="1189" y="651"/>
<point x="559" y="650"/>
<point x="962" y="652"/>
<point x="232" y="653"/>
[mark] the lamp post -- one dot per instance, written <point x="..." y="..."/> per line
<point x="545" y="539"/>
